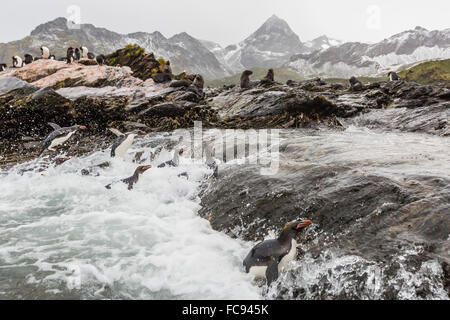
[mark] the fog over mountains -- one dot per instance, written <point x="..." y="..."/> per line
<point x="274" y="44"/>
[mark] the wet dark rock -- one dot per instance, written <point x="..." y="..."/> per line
<point x="389" y="225"/>
<point x="164" y="110"/>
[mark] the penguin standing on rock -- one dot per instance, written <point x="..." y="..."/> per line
<point x="45" y="52"/>
<point x="70" y="55"/>
<point x="131" y="181"/>
<point x="77" y="54"/>
<point x="58" y="136"/>
<point x="17" y="62"/>
<point x="269" y="257"/>
<point x="393" y="76"/>
<point x="84" y="52"/>
<point x="28" y="58"/>
<point x="101" y="59"/>
<point x="3" y="67"/>
<point x="123" y="141"/>
<point x="175" y="160"/>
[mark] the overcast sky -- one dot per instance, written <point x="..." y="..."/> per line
<point x="230" y="21"/>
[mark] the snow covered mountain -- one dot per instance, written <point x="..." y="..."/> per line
<point x="273" y="45"/>
<point x="269" y="46"/>
<point x="320" y="43"/>
<point x="354" y="58"/>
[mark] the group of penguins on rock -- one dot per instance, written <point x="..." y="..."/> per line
<point x="265" y="260"/>
<point x="72" y="55"/>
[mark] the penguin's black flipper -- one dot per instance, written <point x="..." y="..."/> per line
<point x="54" y="126"/>
<point x="272" y="272"/>
<point x="108" y="186"/>
<point x="46" y="144"/>
<point x="117" y="143"/>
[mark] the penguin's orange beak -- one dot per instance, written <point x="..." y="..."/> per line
<point x="146" y="167"/>
<point x="142" y="133"/>
<point x="304" y="224"/>
<point x="83" y="127"/>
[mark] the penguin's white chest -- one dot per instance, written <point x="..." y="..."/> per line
<point x="60" y="140"/>
<point x="260" y="271"/>
<point x="124" y="146"/>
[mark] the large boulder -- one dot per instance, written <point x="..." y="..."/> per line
<point x="8" y="84"/>
<point x="143" y="65"/>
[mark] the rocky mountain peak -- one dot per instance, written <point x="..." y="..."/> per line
<point x="274" y="28"/>
<point x="419" y="28"/>
<point x="58" y="24"/>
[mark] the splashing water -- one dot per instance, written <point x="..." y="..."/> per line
<point x="64" y="235"/>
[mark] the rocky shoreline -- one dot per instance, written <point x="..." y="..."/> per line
<point x="105" y="96"/>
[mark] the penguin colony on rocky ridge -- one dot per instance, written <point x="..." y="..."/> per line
<point x="71" y="56"/>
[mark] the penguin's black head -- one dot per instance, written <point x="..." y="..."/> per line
<point x="142" y="169"/>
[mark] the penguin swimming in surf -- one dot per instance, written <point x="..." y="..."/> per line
<point x="138" y="157"/>
<point x="91" y="169"/>
<point x="41" y="167"/>
<point x="123" y="141"/>
<point x="58" y="136"/>
<point x="156" y="153"/>
<point x="131" y="181"/>
<point x="269" y="257"/>
<point x="175" y="160"/>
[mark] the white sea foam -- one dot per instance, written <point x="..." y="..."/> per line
<point x="66" y="231"/>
